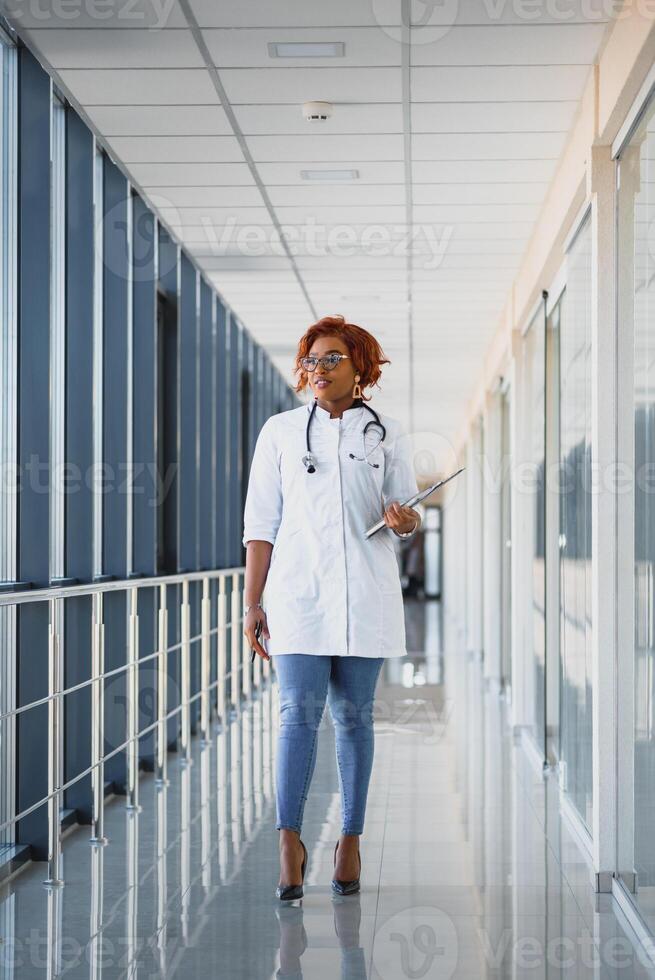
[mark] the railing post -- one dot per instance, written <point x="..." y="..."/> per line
<point x="205" y="664"/>
<point x="54" y="966"/>
<point x="236" y="645"/>
<point x="221" y="667"/>
<point x="132" y="680"/>
<point x="97" y="720"/>
<point x="162" y="687"/>
<point x="185" y="675"/>
<point x="97" y="894"/>
<point x="132" y="946"/>
<point x="55" y="766"/>
<point x="161" y="857"/>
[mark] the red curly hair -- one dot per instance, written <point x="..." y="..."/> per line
<point x="364" y="349"/>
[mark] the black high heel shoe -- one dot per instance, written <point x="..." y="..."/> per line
<point x="346" y="887"/>
<point x="288" y="892"/>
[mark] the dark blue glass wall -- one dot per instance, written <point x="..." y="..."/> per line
<point x="200" y="388"/>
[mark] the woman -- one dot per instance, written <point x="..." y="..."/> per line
<point x="321" y="474"/>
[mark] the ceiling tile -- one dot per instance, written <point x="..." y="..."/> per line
<point x="163" y="120"/>
<point x="481" y="193"/>
<point x="322" y="149"/>
<point x="192" y="174"/>
<point x="524" y="44"/>
<point x="488" y="146"/>
<point x="133" y="86"/>
<point x="510" y="84"/>
<point x="298" y="85"/>
<point x="482" y="171"/>
<point x="452" y="213"/>
<point x="493" y="117"/>
<point x="328" y="216"/>
<point x="472" y="231"/>
<point x="185" y="197"/>
<point x="294" y="13"/>
<point x="118" y="48"/>
<point x="209" y="219"/>
<point x="176" y="149"/>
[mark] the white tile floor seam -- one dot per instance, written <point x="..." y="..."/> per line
<point x="468" y="869"/>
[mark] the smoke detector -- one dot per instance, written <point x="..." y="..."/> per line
<point x="316" y="111"/>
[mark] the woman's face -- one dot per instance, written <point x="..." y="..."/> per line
<point x="337" y="383"/>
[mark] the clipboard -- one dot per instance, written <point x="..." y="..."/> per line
<point x="416" y="499"/>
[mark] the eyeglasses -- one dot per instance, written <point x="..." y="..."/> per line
<point x="328" y="363"/>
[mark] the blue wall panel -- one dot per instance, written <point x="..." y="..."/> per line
<point x="188" y="395"/>
<point x="188" y="486"/>
<point x="169" y="285"/>
<point x="222" y="444"/>
<point x="79" y="452"/>
<point x="114" y="434"/>
<point x="33" y="436"/>
<point x="206" y="495"/>
<point x="144" y="431"/>
<point x="235" y="438"/>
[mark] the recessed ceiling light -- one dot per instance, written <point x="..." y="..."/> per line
<point x="306" y="49"/>
<point x="329" y="174"/>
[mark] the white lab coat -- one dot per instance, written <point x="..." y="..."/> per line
<point x="329" y="590"/>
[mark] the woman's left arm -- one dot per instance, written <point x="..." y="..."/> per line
<point x="400" y="484"/>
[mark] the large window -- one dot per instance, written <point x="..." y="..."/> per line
<point x="8" y="419"/>
<point x="98" y="319"/>
<point x="57" y="333"/>
<point x="637" y="314"/>
<point x="575" y="526"/>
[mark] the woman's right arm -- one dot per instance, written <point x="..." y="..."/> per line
<point x="261" y="520"/>
<point x="258" y="559"/>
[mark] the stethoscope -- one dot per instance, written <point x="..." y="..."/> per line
<point x="309" y="459"/>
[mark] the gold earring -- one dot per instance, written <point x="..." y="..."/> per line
<point x="357" y="391"/>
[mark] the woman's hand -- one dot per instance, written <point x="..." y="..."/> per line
<point x="401" y="519"/>
<point x="254" y="616"/>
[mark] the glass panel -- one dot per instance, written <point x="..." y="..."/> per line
<point x="575" y="527"/>
<point x="534" y="354"/>
<point x="506" y="541"/>
<point x="8" y="419"/>
<point x="57" y="333"/>
<point x="637" y="302"/>
<point x="98" y="255"/>
<point x="553" y="662"/>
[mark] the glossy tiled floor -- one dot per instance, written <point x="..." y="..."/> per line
<point x="468" y="870"/>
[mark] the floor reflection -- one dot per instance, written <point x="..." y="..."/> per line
<point x="468" y="869"/>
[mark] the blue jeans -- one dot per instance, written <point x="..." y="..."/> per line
<point x="305" y="681"/>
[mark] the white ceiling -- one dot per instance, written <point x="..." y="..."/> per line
<point x="455" y="137"/>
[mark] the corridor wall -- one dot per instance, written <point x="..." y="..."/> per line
<point x="573" y="357"/>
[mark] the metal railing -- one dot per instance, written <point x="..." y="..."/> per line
<point x="242" y="676"/>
